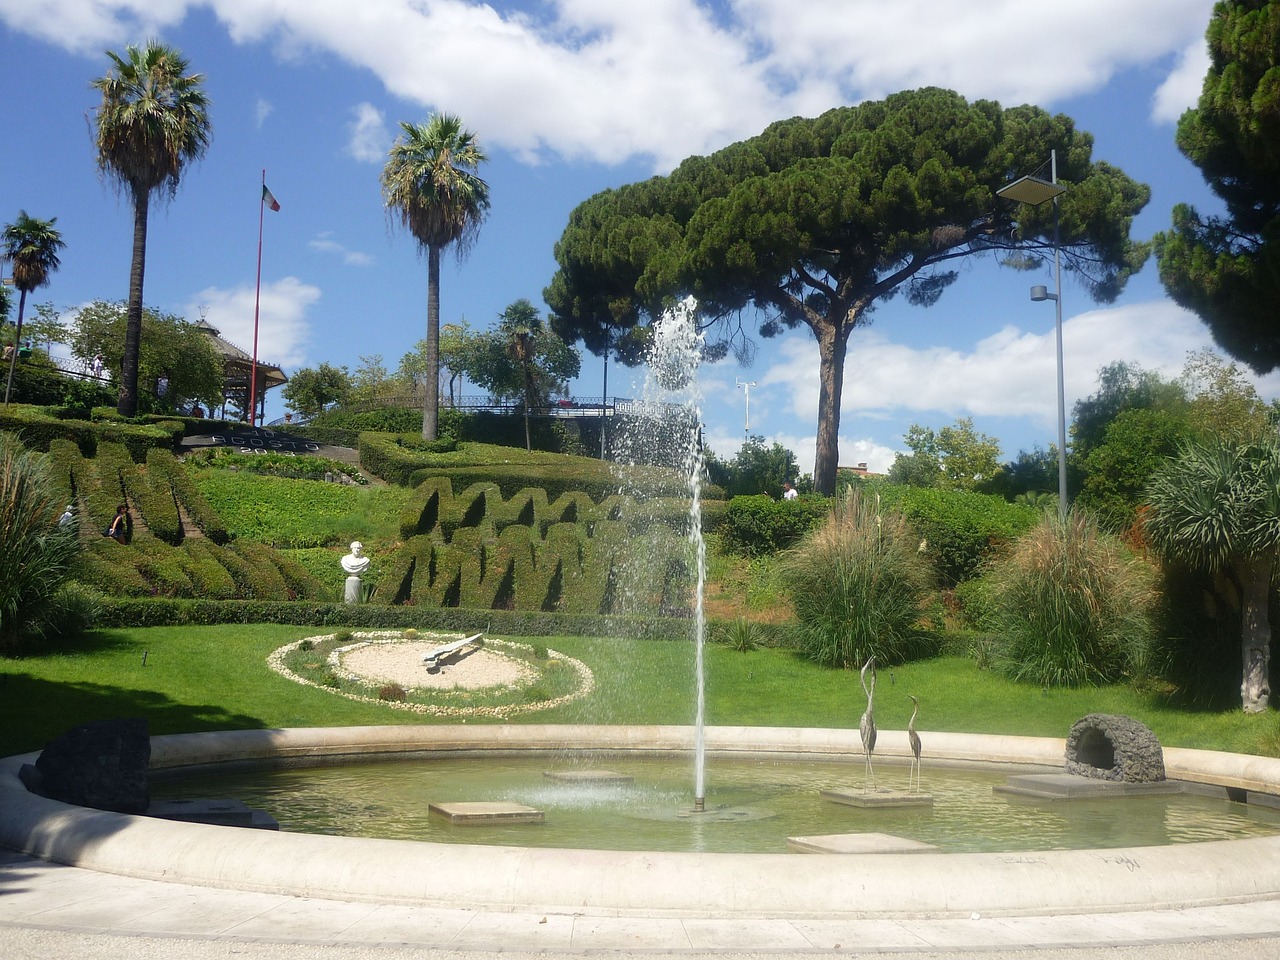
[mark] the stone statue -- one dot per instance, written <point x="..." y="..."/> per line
<point x="354" y="563"/>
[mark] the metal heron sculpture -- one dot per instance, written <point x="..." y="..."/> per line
<point x="867" y="724"/>
<point x="914" y="739"/>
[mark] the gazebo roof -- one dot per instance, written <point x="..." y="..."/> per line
<point x="238" y="363"/>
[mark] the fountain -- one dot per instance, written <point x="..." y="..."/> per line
<point x="602" y="882"/>
<point x="669" y="414"/>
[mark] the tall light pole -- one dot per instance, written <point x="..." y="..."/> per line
<point x="1035" y="191"/>
<point x="746" y="392"/>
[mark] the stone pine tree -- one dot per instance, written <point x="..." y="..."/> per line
<point x="1227" y="268"/>
<point x="430" y="185"/>
<point x="815" y="221"/>
<point x="153" y="122"/>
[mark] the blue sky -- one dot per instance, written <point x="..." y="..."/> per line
<point x="569" y="97"/>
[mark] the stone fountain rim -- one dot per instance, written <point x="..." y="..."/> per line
<point x="645" y="883"/>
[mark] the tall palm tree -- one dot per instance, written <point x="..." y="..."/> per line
<point x="153" y="121"/>
<point x="31" y="246"/>
<point x="1216" y="507"/>
<point x="431" y="186"/>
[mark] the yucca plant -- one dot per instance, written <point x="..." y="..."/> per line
<point x="1072" y="605"/>
<point x="1216" y="507"/>
<point x="35" y="553"/>
<point x="859" y="584"/>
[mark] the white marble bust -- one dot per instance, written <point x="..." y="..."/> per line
<point x="355" y="562"/>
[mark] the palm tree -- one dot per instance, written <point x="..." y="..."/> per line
<point x="430" y="185"/>
<point x="1216" y="507"/>
<point x="31" y="246"/>
<point x="153" y="121"/>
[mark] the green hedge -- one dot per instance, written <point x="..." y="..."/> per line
<point x="38" y="427"/>
<point x="122" y="612"/>
<point x="961" y="530"/>
<point x="758" y="525"/>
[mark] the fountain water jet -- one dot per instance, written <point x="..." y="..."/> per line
<point x="670" y="412"/>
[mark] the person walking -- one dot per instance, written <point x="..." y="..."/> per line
<point x="119" y="529"/>
<point x="67" y="518"/>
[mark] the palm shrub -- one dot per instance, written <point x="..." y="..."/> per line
<point x="859" y="584"/>
<point x="1071" y="605"/>
<point x="35" y="553"/>
<point x="1216" y="508"/>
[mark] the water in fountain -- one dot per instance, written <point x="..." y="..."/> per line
<point x="664" y="427"/>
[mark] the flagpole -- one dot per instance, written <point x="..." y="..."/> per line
<point x="257" y="298"/>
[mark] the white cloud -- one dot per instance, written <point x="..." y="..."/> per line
<point x="1181" y="89"/>
<point x="262" y="109"/>
<point x="325" y="243"/>
<point x="666" y="78"/>
<point x="283" y="331"/>
<point x="1010" y="374"/>
<point x="369" y="139"/>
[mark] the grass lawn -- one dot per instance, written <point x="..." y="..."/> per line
<point x="185" y="679"/>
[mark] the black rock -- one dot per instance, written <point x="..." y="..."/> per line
<point x="102" y="764"/>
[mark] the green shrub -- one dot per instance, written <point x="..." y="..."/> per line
<point x="759" y="524"/>
<point x="1072" y="605"/>
<point x="859" y="585"/>
<point x="961" y="529"/>
<point x="36" y="555"/>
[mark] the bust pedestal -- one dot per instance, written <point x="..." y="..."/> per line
<point x="351" y="592"/>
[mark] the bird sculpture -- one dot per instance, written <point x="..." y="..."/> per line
<point x="914" y="739"/>
<point x="867" y="724"/>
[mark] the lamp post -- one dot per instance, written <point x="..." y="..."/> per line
<point x="1035" y="191"/>
<point x="746" y="391"/>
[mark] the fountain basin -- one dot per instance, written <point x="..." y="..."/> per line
<point x="646" y="883"/>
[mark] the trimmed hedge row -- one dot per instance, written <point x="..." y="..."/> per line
<point x="157" y="612"/>
<point x="150" y="568"/>
<point x="38" y="427"/>
<point x="434" y="506"/>
<point x="571" y="569"/>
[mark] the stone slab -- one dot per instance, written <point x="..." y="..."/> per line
<point x="486" y="812"/>
<point x="1068" y="786"/>
<point x="858" y="843"/>
<point x="601" y="777"/>
<point x="223" y="813"/>
<point x="878" y="799"/>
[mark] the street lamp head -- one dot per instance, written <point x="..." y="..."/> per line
<point x="1031" y="190"/>
<point x="1041" y="292"/>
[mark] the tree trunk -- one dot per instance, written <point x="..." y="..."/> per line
<point x="833" y="345"/>
<point x="1255" y="634"/>
<point x="17" y="342"/>
<point x="431" y="388"/>
<point x="128" y="404"/>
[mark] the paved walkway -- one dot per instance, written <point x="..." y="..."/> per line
<point x="53" y="911"/>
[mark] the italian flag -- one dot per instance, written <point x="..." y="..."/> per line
<point x="268" y="199"/>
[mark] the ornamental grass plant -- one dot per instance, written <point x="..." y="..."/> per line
<point x="35" y="552"/>
<point x="860" y="584"/>
<point x="1071" y="605"/>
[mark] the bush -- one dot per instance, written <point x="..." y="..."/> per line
<point x="859" y="585"/>
<point x="758" y="525"/>
<point x="1071" y="606"/>
<point x="36" y="554"/>
<point x="961" y="529"/>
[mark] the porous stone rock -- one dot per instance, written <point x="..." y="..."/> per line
<point x="102" y="764"/>
<point x="1109" y="747"/>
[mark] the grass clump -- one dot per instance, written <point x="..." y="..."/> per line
<point x="860" y="584"/>
<point x="36" y="553"/>
<point x="1071" y="606"/>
